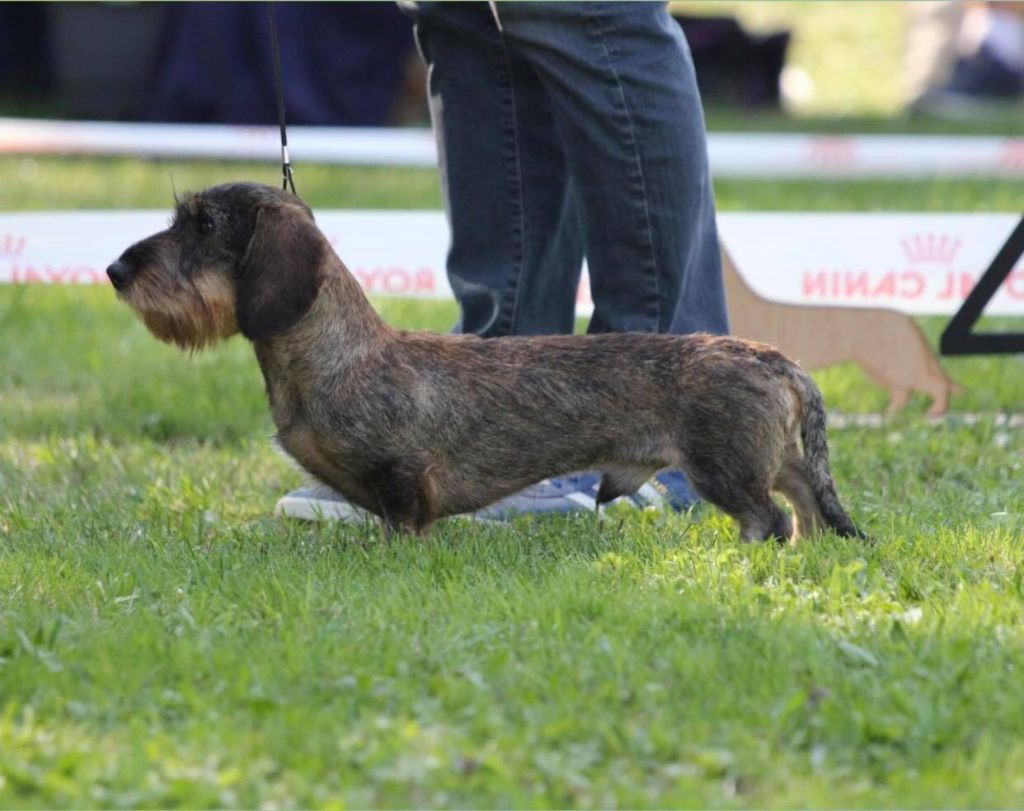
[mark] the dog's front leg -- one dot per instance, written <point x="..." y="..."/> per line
<point x="403" y="493"/>
<point x="392" y="529"/>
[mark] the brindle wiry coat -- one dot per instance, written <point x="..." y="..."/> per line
<point x="417" y="426"/>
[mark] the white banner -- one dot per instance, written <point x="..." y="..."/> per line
<point x="768" y="155"/>
<point x="392" y="253"/>
<point x="916" y="263"/>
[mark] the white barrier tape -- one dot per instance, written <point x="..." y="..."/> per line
<point x="778" y="156"/>
<point x="916" y="263"/>
<point x="767" y="155"/>
<point x="841" y="421"/>
<point x="383" y="145"/>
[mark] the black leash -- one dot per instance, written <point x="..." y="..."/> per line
<point x="286" y="166"/>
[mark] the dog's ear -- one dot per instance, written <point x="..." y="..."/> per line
<point x="280" y="274"/>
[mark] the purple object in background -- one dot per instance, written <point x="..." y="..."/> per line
<point x="342" y="63"/>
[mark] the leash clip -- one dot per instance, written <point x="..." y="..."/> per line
<point x="286" y="170"/>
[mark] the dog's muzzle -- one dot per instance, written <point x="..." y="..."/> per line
<point x="120" y="273"/>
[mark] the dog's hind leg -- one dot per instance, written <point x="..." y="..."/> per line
<point x="794" y="483"/>
<point x="744" y="498"/>
<point x="759" y="517"/>
<point x="766" y="521"/>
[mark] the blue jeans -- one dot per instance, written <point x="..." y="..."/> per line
<point x="575" y="130"/>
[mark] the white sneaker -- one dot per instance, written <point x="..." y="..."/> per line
<point x="320" y="503"/>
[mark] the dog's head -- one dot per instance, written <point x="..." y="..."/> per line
<point x="238" y="257"/>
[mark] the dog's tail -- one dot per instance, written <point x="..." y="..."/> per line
<point x="812" y="434"/>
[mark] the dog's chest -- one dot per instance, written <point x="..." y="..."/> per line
<point x="299" y="441"/>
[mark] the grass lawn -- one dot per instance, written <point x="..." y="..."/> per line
<point x="165" y="642"/>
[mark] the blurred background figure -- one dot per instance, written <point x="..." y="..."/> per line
<point x="351" y="63"/>
<point x="24" y="54"/>
<point x="964" y="56"/>
<point x="735" y="67"/>
<point x="344" y="63"/>
<point x="354" y="63"/>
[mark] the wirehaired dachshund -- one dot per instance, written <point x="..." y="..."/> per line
<point x="416" y="426"/>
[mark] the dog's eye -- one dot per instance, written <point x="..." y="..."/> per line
<point x="206" y="225"/>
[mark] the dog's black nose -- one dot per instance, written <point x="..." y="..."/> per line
<point x="119" y="272"/>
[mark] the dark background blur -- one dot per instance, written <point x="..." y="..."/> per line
<point x="206" y="62"/>
<point x="350" y="63"/>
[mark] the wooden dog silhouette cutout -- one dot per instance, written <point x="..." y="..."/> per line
<point x="888" y="345"/>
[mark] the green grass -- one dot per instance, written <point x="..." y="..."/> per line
<point x="165" y="642"/>
<point x="36" y="183"/>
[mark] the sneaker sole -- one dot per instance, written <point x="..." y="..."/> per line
<point x="314" y="509"/>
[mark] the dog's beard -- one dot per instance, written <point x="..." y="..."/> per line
<point x="191" y="318"/>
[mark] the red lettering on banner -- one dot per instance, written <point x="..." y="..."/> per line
<point x="938" y="248"/>
<point x="84" y="275"/>
<point x="396" y="281"/>
<point x="832" y="151"/>
<point x="425" y="281"/>
<point x="958" y="286"/>
<point x="913" y="285"/>
<point x="251" y="133"/>
<point x="11" y="246"/>
<point x="1014" y="284"/>
<point x="1012" y="154"/>
<point x="815" y="285"/>
<point x="857" y="285"/>
<point x="886" y="288"/>
<point x="364" y="278"/>
<point x="65" y="274"/>
<point x="862" y="285"/>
